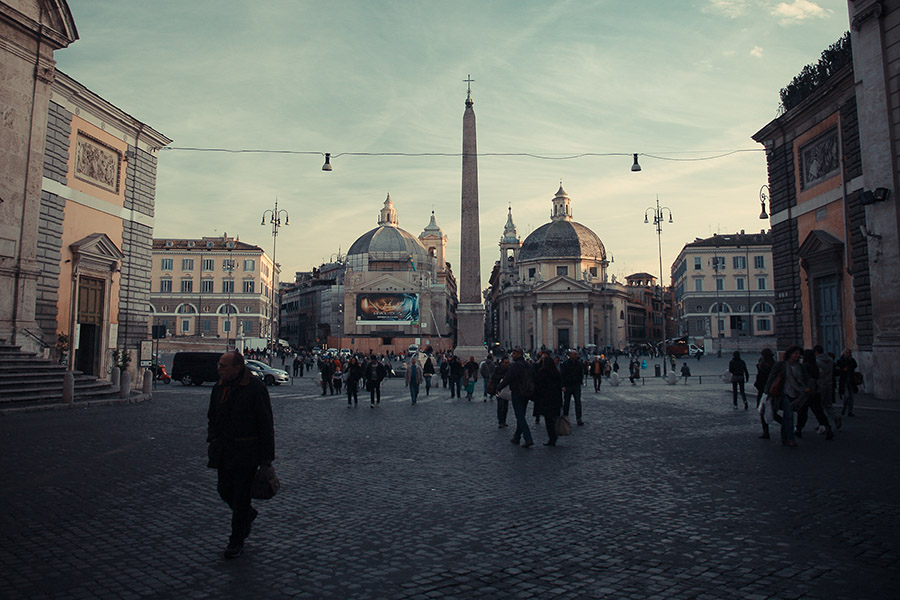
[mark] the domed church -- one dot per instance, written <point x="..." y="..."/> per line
<point x="552" y="290"/>
<point x="398" y="288"/>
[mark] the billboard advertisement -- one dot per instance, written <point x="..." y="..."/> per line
<point x="376" y="309"/>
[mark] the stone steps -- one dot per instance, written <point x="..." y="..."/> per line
<point x="27" y="380"/>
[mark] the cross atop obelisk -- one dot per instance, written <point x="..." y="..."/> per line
<point x="470" y="311"/>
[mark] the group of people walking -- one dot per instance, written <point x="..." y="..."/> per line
<point x="803" y="381"/>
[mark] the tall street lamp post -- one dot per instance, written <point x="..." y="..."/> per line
<point x="658" y="214"/>
<point x="274" y="216"/>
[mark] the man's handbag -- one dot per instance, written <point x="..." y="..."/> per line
<point x="563" y="426"/>
<point x="265" y="483"/>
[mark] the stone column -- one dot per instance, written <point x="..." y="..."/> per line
<point x="588" y="338"/>
<point x="470" y="310"/>
<point x="574" y="325"/>
<point x="551" y="337"/>
<point x="538" y="328"/>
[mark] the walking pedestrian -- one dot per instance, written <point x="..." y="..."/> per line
<point x="241" y="440"/>
<point x="685" y="372"/>
<point x="296" y="366"/>
<point x="519" y="379"/>
<point x="485" y="370"/>
<point x="739" y="375"/>
<point x="786" y="383"/>
<point x="428" y="372"/>
<point x="597" y="369"/>
<point x="374" y="374"/>
<point x="825" y="384"/>
<point x="846" y="372"/>
<point x="571" y="372"/>
<point x="502" y="398"/>
<point x="813" y="400"/>
<point x="548" y="391"/>
<point x="444" y="370"/>
<point x="352" y="374"/>
<point x="456" y="375"/>
<point x="763" y="369"/>
<point x="414" y="378"/>
<point x="470" y="376"/>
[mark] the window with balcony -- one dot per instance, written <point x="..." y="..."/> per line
<point x="248" y="286"/>
<point x="698" y="285"/>
<point x="761" y="283"/>
<point x="165" y="285"/>
<point x="206" y="286"/>
<point x="739" y="283"/>
<point x="187" y="286"/>
<point x="228" y="286"/>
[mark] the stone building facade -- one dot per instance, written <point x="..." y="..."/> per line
<point x="96" y="226"/>
<point x="833" y="176"/>
<point x="77" y="195"/>
<point x="213" y="287"/>
<point x="724" y="293"/>
<point x="30" y="32"/>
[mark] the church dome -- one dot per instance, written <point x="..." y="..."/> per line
<point x="562" y="237"/>
<point x="388" y="241"/>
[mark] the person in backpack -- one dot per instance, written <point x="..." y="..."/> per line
<point x="521" y="385"/>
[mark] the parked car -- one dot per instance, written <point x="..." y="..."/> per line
<point x="270" y="375"/>
<point x="195" y="367"/>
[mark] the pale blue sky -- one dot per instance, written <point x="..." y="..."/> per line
<point x="681" y="78"/>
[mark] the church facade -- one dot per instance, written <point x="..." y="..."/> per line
<point x="390" y="291"/>
<point x="552" y="290"/>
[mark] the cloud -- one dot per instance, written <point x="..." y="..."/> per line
<point x="799" y="10"/>
<point x="728" y="8"/>
<point x="756" y="51"/>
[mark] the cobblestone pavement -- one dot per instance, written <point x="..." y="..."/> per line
<point x="666" y="492"/>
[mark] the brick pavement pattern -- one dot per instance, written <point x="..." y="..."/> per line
<point x="665" y="493"/>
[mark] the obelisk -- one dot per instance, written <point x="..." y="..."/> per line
<point x="470" y="310"/>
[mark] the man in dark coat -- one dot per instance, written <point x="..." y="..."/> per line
<point x="572" y="376"/>
<point x="456" y="373"/>
<point x="241" y="439"/>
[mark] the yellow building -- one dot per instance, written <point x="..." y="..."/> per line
<point x="213" y="287"/>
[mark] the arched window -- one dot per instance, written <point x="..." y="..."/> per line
<point x="185" y="309"/>
<point x="723" y="308"/>
<point x="763" y="307"/>
<point x="227" y="309"/>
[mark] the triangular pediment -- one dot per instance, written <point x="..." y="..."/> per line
<point x="562" y="283"/>
<point x="97" y="245"/>
<point x="819" y="243"/>
<point x="385" y="283"/>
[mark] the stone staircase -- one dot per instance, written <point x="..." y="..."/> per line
<point x="27" y="380"/>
